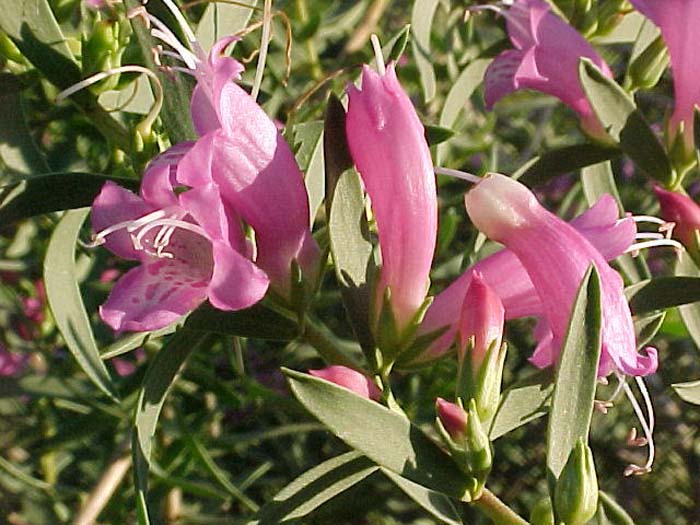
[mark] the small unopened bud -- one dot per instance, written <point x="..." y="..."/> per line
<point x="576" y="492"/>
<point x="453" y="418"/>
<point x="542" y="513"/>
<point x="647" y="68"/>
<point x="351" y="379"/>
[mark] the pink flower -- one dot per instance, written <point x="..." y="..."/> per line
<point x="546" y="58"/>
<point x="453" y="418"/>
<point x="482" y="320"/>
<point x="351" y="379"/>
<point x="683" y="211"/>
<point x="388" y="145"/>
<point x="507" y="277"/>
<point x="11" y="363"/>
<point x="190" y="247"/>
<point x="556" y="258"/>
<point x="243" y="153"/>
<point x="678" y="21"/>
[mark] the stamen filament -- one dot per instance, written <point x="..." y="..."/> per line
<point x="184" y="25"/>
<point x="647" y="428"/>
<point x="648" y="218"/>
<point x="163" y="33"/>
<point x="97" y="77"/>
<point x="378" y="55"/>
<point x="469" y="177"/>
<point x="655" y="243"/>
<point x="649" y="235"/>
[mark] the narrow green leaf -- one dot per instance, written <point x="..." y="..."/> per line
<point x="524" y="401"/>
<point x="18" y="151"/>
<point x="421" y="25"/>
<point x="66" y="303"/>
<point x="437" y="134"/>
<point x="690" y="313"/>
<point x="395" y="47"/>
<point x="53" y="192"/>
<point x="689" y="391"/>
<point x="160" y="377"/>
<point x="597" y="180"/>
<point x="565" y="160"/>
<point x="438" y="505"/>
<point x="624" y="122"/>
<point x="351" y="249"/>
<point x="576" y="376"/>
<point x="258" y="321"/>
<point x="220" y="20"/>
<point x="662" y="292"/>
<point x="384" y="436"/>
<point x="461" y="91"/>
<point x="309" y="138"/>
<point x="336" y="152"/>
<point x="647" y="327"/>
<point x="136" y="340"/>
<point x="610" y="512"/>
<point x="315" y="487"/>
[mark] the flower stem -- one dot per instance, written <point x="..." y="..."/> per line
<point x="327" y="344"/>
<point x="496" y="510"/>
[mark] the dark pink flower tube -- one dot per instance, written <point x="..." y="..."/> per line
<point x="351" y="379"/>
<point x="388" y="145"/>
<point x="683" y="212"/>
<point x="678" y="21"/>
<point x="482" y="321"/>
<point x="546" y="58"/>
<point x="453" y="418"/>
<point x="556" y="258"/>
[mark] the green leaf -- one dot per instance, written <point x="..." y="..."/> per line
<point x="220" y="20"/>
<point x="159" y="379"/>
<point x="610" y="512"/>
<point x="421" y="24"/>
<point x="336" y="152"/>
<point x="690" y="313"/>
<point x="624" y="122"/>
<point x="384" y="436"/>
<point x="53" y="192"/>
<point x="689" y="391"/>
<point x="576" y="376"/>
<point x="524" y="401"/>
<point x="437" y="134"/>
<point x="177" y="89"/>
<point x="315" y="487"/>
<point x="351" y="249"/>
<point x="438" y="505"/>
<point x="395" y="47"/>
<point x="66" y="303"/>
<point x="309" y="138"/>
<point x="565" y="160"/>
<point x="258" y="321"/>
<point x="597" y="180"/>
<point x="18" y="151"/>
<point x="662" y="292"/>
<point x="136" y="340"/>
<point x="647" y="327"/>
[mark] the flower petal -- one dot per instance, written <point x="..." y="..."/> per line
<point x="236" y="282"/>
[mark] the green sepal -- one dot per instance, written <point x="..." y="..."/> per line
<point x="482" y="385"/>
<point x="683" y="157"/>
<point x="576" y="492"/>
<point x="645" y="71"/>
<point x="411" y="357"/>
<point x="542" y="513"/>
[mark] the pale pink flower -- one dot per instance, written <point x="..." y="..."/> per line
<point x="388" y="145"/>
<point x="351" y="379"/>
<point x="482" y="320"/>
<point x="556" y="258"/>
<point x="546" y="58"/>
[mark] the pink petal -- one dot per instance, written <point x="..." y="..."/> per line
<point x="351" y="379"/>
<point x="499" y="79"/>
<point x="236" y="282"/>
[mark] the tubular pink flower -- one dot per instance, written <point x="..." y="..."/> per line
<point x="546" y="58"/>
<point x="453" y="418"/>
<point x="678" y="21"/>
<point x="244" y="154"/>
<point x="190" y="246"/>
<point x="351" y="379"/>
<point x="507" y="277"/>
<point x="11" y="363"/>
<point x="482" y="319"/>
<point x="388" y="145"/>
<point x="683" y="212"/>
<point x="507" y="212"/>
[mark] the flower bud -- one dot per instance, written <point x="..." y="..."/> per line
<point x="647" y="68"/>
<point x="576" y="491"/>
<point x="351" y="379"/>
<point x="453" y="418"/>
<point x="542" y="513"/>
<point x="481" y="353"/>
<point x="685" y="213"/>
<point x="102" y="51"/>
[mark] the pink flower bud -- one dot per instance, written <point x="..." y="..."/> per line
<point x="681" y="210"/>
<point x="482" y="319"/>
<point x="351" y="379"/>
<point x="453" y="418"/>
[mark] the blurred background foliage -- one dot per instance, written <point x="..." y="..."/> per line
<point x="230" y="435"/>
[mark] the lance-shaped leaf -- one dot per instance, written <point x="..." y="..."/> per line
<point x="309" y="138"/>
<point x="624" y="122"/>
<point x="220" y="20"/>
<point x="160" y="377"/>
<point x="66" y="303"/>
<point x="565" y="160"/>
<point x="421" y="27"/>
<point x="51" y="192"/>
<point x="689" y="391"/>
<point x="576" y="376"/>
<point x="385" y="436"/>
<point x="662" y="292"/>
<point x="690" y="313"/>
<point x="315" y="487"/>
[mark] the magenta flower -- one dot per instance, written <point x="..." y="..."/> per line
<point x="351" y="379"/>
<point x="482" y="321"/>
<point x="507" y="277"/>
<point x="388" y="145"/>
<point x="683" y="212"/>
<point x="11" y="363"/>
<point x="190" y="248"/>
<point x="507" y="212"/>
<point x="678" y="21"/>
<point x="546" y="58"/>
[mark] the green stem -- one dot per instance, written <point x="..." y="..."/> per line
<point x="321" y="338"/>
<point x="496" y="510"/>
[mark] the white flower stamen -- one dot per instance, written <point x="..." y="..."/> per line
<point x="378" y="55"/>
<point x="469" y="177"/>
<point x="647" y="423"/>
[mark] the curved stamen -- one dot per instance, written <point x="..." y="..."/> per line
<point x="648" y="218"/>
<point x="174" y="223"/>
<point x="378" y="55"/>
<point x="634" y="249"/>
<point x="647" y="428"/>
<point x="649" y="235"/>
<point x="603" y="405"/>
<point x="184" y="25"/>
<point x="163" y="33"/>
<point x="469" y="177"/>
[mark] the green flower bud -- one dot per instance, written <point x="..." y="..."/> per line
<point x="646" y="69"/>
<point x="101" y="51"/>
<point x="576" y="491"/>
<point x="542" y="513"/>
